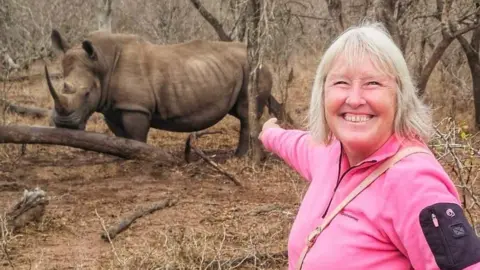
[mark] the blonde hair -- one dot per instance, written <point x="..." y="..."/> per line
<point x="412" y="117"/>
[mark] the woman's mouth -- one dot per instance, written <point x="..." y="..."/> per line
<point x="357" y="118"/>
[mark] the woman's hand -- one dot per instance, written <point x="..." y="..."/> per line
<point x="270" y="123"/>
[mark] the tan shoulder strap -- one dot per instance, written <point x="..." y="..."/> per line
<point x="364" y="184"/>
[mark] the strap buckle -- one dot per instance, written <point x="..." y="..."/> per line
<point x="313" y="236"/>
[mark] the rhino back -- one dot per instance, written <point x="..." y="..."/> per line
<point x="182" y="80"/>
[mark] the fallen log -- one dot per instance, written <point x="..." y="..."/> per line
<point x="113" y="231"/>
<point x="91" y="141"/>
<point x="35" y="112"/>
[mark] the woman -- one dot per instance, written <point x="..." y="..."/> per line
<point x="364" y="114"/>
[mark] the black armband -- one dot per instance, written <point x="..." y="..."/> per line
<point x="450" y="236"/>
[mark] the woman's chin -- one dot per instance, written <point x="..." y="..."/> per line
<point x="358" y="142"/>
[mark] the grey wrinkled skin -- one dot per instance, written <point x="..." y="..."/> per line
<point x="138" y="85"/>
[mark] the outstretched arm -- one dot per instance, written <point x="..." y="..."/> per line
<point x="293" y="146"/>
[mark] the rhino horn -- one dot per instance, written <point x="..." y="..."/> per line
<point x="59" y="100"/>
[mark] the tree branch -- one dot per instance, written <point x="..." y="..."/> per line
<point x="211" y="20"/>
<point x="335" y="11"/>
<point x="114" y="230"/>
<point x="190" y="144"/>
<point x="466" y="47"/>
<point x="448" y="37"/>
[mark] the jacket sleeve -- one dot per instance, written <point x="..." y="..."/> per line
<point x="424" y="219"/>
<point x="290" y="145"/>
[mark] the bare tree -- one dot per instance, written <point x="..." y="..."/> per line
<point x="394" y="13"/>
<point x="104" y="15"/>
<point x="238" y="8"/>
<point x="214" y="22"/>
<point x="390" y="12"/>
<point x="335" y="11"/>
<point x="448" y="35"/>
<point x="471" y="50"/>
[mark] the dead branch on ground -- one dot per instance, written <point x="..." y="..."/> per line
<point x="30" y="208"/>
<point x="265" y="209"/>
<point x="114" y="251"/>
<point x="91" y="141"/>
<point x="190" y="144"/>
<point x="35" y="112"/>
<point x="113" y="231"/>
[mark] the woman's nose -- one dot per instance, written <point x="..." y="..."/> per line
<point x="355" y="96"/>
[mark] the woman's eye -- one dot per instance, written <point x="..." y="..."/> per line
<point x="339" y="82"/>
<point x="373" y="83"/>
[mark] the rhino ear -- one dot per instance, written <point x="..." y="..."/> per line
<point x="90" y="49"/>
<point x="58" y="42"/>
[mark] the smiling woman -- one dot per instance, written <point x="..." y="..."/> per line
<point x="366" y="158"/>
<point x="359" y="107"/>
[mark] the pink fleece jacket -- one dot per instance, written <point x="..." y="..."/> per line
<point x="387" y="225"/>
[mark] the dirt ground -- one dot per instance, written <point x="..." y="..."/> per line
<point x="214" y="223"/>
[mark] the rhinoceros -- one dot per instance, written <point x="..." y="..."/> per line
<point x="137" y="84"/>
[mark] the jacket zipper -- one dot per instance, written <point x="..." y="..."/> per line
<point x="444" y="241"/>
<point x="340" y="180"/>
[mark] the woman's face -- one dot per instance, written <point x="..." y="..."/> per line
<point x="360" y="105"/>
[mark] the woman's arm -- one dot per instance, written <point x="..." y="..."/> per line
<point x="424" y="219"/>
<point x="293" y="146"/>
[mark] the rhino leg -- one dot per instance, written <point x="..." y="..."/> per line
<point x="128" y="124"/>
<point x="243" y="141"/>
<point x="240" y="111"/>
<point x="115" y="125"/>
<point x="136" y="125"/>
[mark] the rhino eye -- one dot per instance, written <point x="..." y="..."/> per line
<point x="87" y="94"/>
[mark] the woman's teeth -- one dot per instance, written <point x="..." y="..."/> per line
<point x="357" y="118"/>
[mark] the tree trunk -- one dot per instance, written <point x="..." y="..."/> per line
<point x="385" y="13"/>
<point x="253" y="49"/>
<point x="125" y="148"/>
<point x="335" y="11"/>
<point x="473" y="59"/>
<point x="476" y="92"/>
<point x="432" y="62"/>
<point x="104" y="15"/>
